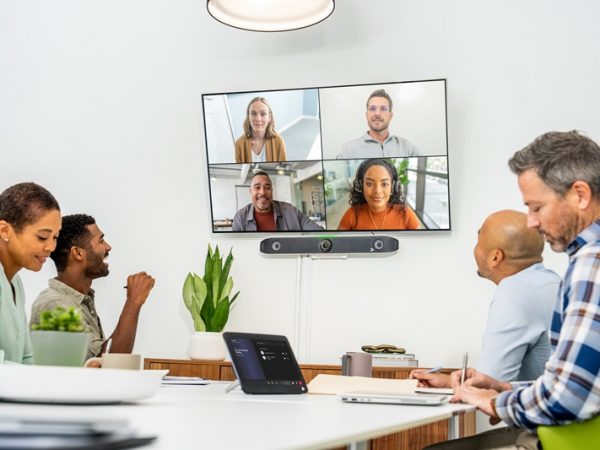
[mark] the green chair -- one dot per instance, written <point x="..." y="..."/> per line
<point x="575" y="436"/>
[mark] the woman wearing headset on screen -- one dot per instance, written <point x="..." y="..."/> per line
<point x="260" y="142"/>
<point x="29" y="225"/>
<point x="376" y="200"/>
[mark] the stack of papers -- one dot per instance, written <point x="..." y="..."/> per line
<point x="394" y="360"/>
<point x="185" y="380"/>
<point x="31" y="426"/>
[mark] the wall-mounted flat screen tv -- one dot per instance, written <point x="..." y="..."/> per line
<point x="330" y="159"/>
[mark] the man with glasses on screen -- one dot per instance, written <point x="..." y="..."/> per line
<point x="377" y="141"/>
<point x="266" y="214"/>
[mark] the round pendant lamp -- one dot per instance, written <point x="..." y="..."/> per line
<point x="270" y="15"/>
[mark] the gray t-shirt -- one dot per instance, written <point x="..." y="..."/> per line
<point x="367" y="147"/>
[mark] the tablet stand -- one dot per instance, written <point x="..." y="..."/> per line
<point x="232" y="386"/>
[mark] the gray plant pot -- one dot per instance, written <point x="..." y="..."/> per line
<point x="59" y="348"/>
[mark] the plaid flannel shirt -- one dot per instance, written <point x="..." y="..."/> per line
<point x="569" y="388"/>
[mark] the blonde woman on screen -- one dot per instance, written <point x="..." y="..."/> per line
<point x="376" y="200"/>
<point x="260" y="142"/>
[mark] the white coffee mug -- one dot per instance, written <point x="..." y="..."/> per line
<point x="116" y="361"/>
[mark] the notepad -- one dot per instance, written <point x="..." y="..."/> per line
<point x="337" y="384"/>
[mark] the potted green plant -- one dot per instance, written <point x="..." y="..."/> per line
<point x="208" y="300"/>
<point x="59" y="339"/>
<point x="402" y="169"/>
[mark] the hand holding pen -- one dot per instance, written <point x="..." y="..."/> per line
<point x="476" y="379"/>
<point x="430" y="378"/>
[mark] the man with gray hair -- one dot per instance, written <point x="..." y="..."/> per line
<point x="377" y="142"/>
<point x="559" y="177"/>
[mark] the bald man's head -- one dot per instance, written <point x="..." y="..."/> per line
<point x="506" y="245"/>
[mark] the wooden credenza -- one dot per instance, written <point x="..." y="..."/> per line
<point x="414" y="439"/>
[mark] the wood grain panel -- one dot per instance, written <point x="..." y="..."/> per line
<point x="183" y="368"/>
<point x="227" y="373"/>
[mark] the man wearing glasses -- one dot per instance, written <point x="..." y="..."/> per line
<point x="377" y="141"/>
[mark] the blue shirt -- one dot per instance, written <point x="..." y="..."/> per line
<point x="569" y="389"/>
<point x="15" y="342"/>
<point x="516" y="345"/>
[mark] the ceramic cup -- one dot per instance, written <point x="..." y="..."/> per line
<point x="357" y="364"/>
<point x="117" y="361"/>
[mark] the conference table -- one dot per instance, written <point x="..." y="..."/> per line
<point x="185" y="417"/>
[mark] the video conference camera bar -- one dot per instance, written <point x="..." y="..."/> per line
<point x="324" y="245"/>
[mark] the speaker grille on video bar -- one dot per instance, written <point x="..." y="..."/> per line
<point x="328" y="245"/>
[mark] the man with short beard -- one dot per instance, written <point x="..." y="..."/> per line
<point x="377" y="142"/>
<point x="266" y="214"/>
<point x="559" y="178"/>
<point x="80" y="258"/>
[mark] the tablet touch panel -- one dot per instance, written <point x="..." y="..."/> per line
<point x="264" y="364"/>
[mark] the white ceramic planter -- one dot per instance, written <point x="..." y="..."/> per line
<point x="207" y="345"/>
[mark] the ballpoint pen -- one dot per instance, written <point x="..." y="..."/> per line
<point x="433" y="369"/>
<point x="464" y="368"/>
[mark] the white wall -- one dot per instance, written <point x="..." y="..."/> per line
<point x="101" y="103"/>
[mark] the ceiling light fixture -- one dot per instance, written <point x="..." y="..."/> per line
<point x="270" y="15"/>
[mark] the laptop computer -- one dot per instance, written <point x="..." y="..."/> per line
<point x="393" y="399"/>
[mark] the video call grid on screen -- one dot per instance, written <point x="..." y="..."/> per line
<point x="316" y="126"/>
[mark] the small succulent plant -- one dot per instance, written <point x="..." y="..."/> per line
<point x="59" y="319"/>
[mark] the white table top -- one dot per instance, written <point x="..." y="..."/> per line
<point x="205" y="417"/>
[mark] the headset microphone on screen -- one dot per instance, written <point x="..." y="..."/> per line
<point x="358" y="184"/>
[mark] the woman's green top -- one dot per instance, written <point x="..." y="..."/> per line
<point x="15" y="341"/>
